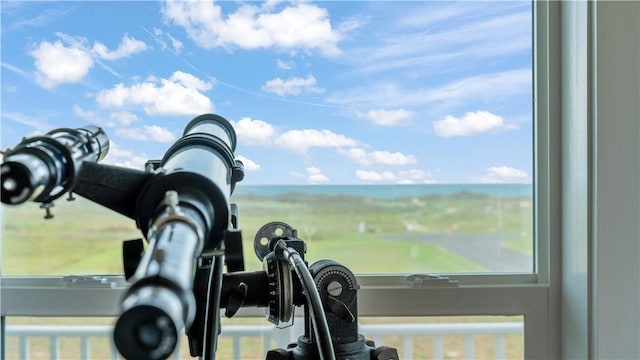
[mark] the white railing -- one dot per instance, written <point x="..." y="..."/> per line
<point x="271" y="335"/>
<point x="438" y="331"/>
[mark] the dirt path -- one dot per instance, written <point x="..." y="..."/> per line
<point x="484" y="249"/>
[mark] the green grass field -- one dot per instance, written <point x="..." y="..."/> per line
<point x="368" y="235"/>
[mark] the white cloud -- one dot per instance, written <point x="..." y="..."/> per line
<point x="158" y="35"/>
<point x="485" y="86"/>
<point x="124" y="118"/>
<point x="362" y="157"/>
<point x="57" y="64"/>
<point x="38" y="124"/>
<point x="502" y="174"/>
<point x="158" y="133"/>
<point x="481" y="87"/>
<point x="249" y="165"/>
<point x="125" y="158"/>
<point x="262" y="133"/>
<point x="86" y="114"/>
<point x="178" y="95"/>
<point x="469" y="124"/>
<point x="367" y="175"/>
<point x="118" y="118"/>
<point x="16" y="70"/>
<point x="146" y="133"/>
<point x="19" y="17"/>
<point x="412" y="176"/>
<point x="190" y="81"/>
<point x="175" y="43"/>
<point x="285" y="65"/>
<point x="351" y="24"/>
<point x="389" y="117"/>
<point x="115" y="151"/>
<point x="127" y="47"/>
<point x="415" y="176"/>
<point x="299" y="26"/>
<point x="293" y="86"/>
<point x="476" y="39"/>
<point x="254" y="132"/>
<point x="301" y="140"/>
<point x="315" y="175"/>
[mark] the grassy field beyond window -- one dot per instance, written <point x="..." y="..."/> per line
<point x="459" y="232"/>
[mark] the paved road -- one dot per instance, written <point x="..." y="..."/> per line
<point x="483" y="249"/>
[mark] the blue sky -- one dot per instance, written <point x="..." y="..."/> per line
<point x="329" y="92"/>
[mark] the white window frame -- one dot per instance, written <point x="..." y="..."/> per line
<point x="534" y="296"/>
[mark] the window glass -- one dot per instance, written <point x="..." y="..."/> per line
<point x="395" y="136"/>
<point x="407" y="228"/>
<point x="81" y="238"/>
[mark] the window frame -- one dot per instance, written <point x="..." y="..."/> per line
<point x="533" y="295"/>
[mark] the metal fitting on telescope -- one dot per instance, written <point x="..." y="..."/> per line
<point x="173" y="213"/>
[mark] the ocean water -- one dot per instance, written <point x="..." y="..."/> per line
<point x="388" y="191"/>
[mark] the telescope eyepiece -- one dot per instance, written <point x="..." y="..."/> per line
<point x="150" y="326"/>
<point x="19" y="181"/>
<point x="149" y="334"/>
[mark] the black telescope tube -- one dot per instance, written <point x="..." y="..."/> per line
<point x="201" y="163"/>
<point x="43" y="168"/>
<point x="184" y="210"/>
<point x="158" y="305"/>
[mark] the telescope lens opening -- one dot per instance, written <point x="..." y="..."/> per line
<point x="149" y="335"/>
<point x="9" y="184"/>
<point x="147" y="331"/>
<point x="17" y="185"/>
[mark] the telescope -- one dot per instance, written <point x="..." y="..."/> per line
<point x="181" y="204"/>
<point x="43" y="168"/>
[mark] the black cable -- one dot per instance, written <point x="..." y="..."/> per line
<point x="212" y="311"/>
<point x="3" y="327"/>
<point x="318" y="318"/>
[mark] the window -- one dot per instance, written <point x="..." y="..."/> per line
<point x="397" y="137"/>
<point x="420" y="157"/>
